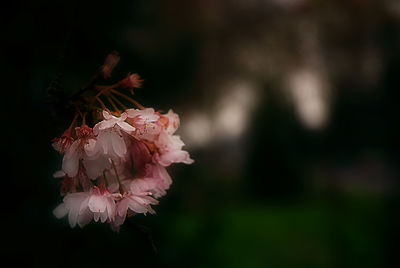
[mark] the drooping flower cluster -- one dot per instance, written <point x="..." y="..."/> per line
<point x="118" y="167"/>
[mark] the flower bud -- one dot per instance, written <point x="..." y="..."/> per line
<point x="110" y="62"/>
<point x="131" y="81"/>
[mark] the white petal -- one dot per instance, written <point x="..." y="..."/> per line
<point x="123" y="116"/>
<point x="85" y="217"/>
<point x="73" y="216"/>
<point x="107" y="124"/>
<point x="177" y="143"/>
<point x="59" y="174"/>
<point x="92" y="149"/>
<point x="84" y="205"/>
<point x="103" y="216"/>
<point x="140" y="186"/>
<point x="126" y="127"/>
<point x="71" y="166"/>
<point x="96" y="129"/>
<point x="132" y="113"/>
<point x="97" y="203"/>
<point x="136" y="206"/>
<point x="122" y="207"/>
<point x="70" y="163"/>
<point x="60" y="211"/>
<point x="119" y="145"/>
<point x="103" y="141"/>
<point x="177" y="156"/>
<point x="96" y="216"/>
<point x="73" y="203"/>
<point x="111" y="208"/>
<point x="162" y="173"/>
<point x="147" y="200"/>
<point x="164" y="140"/>
<point x="106" y="115"/>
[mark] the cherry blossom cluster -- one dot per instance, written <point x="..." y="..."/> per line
<point x="117" y="168"/>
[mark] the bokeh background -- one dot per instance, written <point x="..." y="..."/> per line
<point x="289" y="108"/>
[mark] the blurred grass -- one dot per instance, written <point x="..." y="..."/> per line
<point x="309" y="234"/>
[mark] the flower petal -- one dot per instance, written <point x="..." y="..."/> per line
<point x="106" y="115"/>
<point x="103" y="216"/>
<point x="85" y="217"/>
<point x="59" y="174"/>
<point x="70" y="164"/>
<point x="96" y="216"/>
<point x="97" y="203"/>
<point x="60" y="211"/>
<point x="119" y="145"/>
<point x="126" y="127"/>
<point x="122" y="207"/>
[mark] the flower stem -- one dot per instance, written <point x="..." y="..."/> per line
<point x="84" y="118"/>
<point x="113" y="105"/>
<point x="73" y="122"/>
<point x="118" y="101"/>
<point x="101" y="103"/>
<point x="121" y="187"/>
<point x="128" y="98"/>
<point x="105" y="179"/>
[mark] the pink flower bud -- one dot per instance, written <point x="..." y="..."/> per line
<point x="110" y="62"/>
<point x="131" y="81"/>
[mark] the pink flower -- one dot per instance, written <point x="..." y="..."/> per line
<point x="82" y="207"/>
<point x="138" y="199"/>
<point x="110" y="135"/>
<point x="124" y="175"/>
<point x="146" y="123"/>
<point x="130" y="154"/>
<point x="84" y="150"/>
<point x="158" y="179"/>
<point x="111" y="121"/>
<point x="131" y="81"/>
<point x="62" y="143"/>
<point x="170" y="150"/>
<point x="170" y="122"/>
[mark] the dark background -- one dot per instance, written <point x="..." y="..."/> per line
<point x="289" y="108"/>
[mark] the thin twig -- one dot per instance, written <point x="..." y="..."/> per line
<point x="113" y="105"/>
<point x="101" y="103"/>
<point x="128" y="98"/>
<point x="118" y="101"/>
